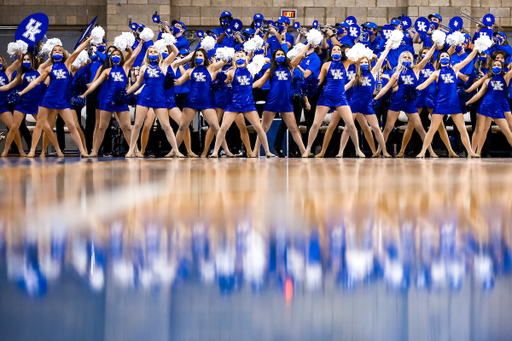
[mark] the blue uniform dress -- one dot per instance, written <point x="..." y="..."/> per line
<point x="116" y="81"/>
<point x="31" y="99"/>
<point x="223" y="96"/>
<point x="200" y="95"/>
<point x="56" y="95"/>
<point x="4" y="80"/>
<point x="169" y="93"/>
<point x="362" y="97"/>
<point x="243" y="100"/>
<point x="405" y="78"/>
<point x="447" y="101"/>
<point x="279" y="98"/>
<point x="153" y="95"/>
<point x="427" y="97"/>
<point x="493" y="103"/>
<point x="333" y="94"/>
<point x="351" y="73"/>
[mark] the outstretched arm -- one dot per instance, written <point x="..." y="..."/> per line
<point x="300" y="56"/>
<point x="36" y="81"/>
<point x="425" y="60"/>
<point x="185" y="77"/>
<point x="14" y="66"/>
<point x="96" y="83"/>
<point x="259" y="83"/>
<point x="479" y="94"/>
<point x="140" y="79"/>
<point x="385" y="89"/>
<point x="12" y="84"/>
<point x="79" y="49"/>
<point x="430" y="79"/>
<point x="383" y="56"/>
<point x="465" y="62"/>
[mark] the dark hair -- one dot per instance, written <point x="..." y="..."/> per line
<point x="438" y="60"/>
<point x="419" y="59"/>
<point x="491" y="73"/>
<point x="205" y="57"/>
<point x="497" y="52"/>
<point x="33" y="61"/>
<point x="343" y="55"/>
<point x="274" y="64"/>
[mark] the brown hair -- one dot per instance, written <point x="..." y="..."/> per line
<point x="205" y="57"/>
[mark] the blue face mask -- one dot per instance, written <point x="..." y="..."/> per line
<point x="336" y="56"/>
<point x="483" y="59"/>
<point x="240" y="61"/>
<point x="116" y="59"/>
<point x="365" y="67"/>
<point x="445" y="61"/>
<point x="102" y="48"/>
<point x="423" y="56"/>
<point x="108" y="55"/>
<point x="496" y="70"/>
<point x="165" y="55"/>
<point x="407" y="64"/>
<point x="57" y="56"/>
<point x="458" y="49"/>
<point x="280" y="59"/>
<point x="26" y="65"/>
<point x="199" y="61"/>
<point x="153" y="57"/>
<point x="0" y="65"/>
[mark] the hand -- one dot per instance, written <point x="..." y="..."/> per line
<point x="308" y="106"/>
<point x="329" y="32"/>
<point x="467" y="103"/>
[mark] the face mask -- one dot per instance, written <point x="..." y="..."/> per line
<point x="101" y="48"/>
<point x="27" y="65"/>
<point x="225" y="22"/>
<point x="482" y="58"/>
<point x="423" y="56"/>
<point x="280" y="59"/>
<point x="458" y="49"/>
<point x="0" y="65"/>
<point x="57" y="56"/>
<point x="94" y="57"/>
<point x="496" y="69"/>
<point x="199" y="61"/>
<point x="153" y="57"/>
<point x="407" y="64"/>
<point x="445" y="61"/>
<point x="336" y="56"/>
<point x="165" y="55"/>
<point x="365" y="67"/>
<point x="240" y="61"/>
<point x="116" y="59"/>
<point x="108" y="55"/>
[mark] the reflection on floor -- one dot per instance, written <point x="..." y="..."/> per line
<point x="255" y="249"/>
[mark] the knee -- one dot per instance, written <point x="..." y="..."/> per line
<point x="215" y="128"/>
<point x="316" y="125"/>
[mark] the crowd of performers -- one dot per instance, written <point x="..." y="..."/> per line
<point x="315" y="72"/>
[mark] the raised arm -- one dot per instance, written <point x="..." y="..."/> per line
<point x="217" y="65"/>
<point x="476" y="84"/>
<point x="425" y="60"/>
<point x="300" y="56"/>
<point x="386" y="88"/>
<point x="382" y="58"/>
<point x="139" y="81"/>
<point x="479" y="94"/>
<point x="36" y="81"/>
<point x="183" y="61"/>
<point x="14" y="66"/>
<point x="75" y="53"/>
<point x="96" y="83"/>
<point x="430" y="79"/>
<point x="129" y="61"/>
<point x="465" y="62"/>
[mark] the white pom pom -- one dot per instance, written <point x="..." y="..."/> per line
<point x="169" y="39"/>
<point x="395" y="39"/>
<point x="17" y="47"/>
<point x="258" y="41"/>
<point x="314" y="37"/>
<point x="97" y="35"/>
<point x="455" y="39"/>
<point x="160" y="46"/>
<point x="257" y="64"/>
<point x="146" y="34"/>
<point x="368" y="53"/>
<point x="50" y="44"/>
<point x="357" y="52"/>
<point x="483" y="43"/>
<point x="120" y="43"/>
<point x="81" y="59"/>
<point x="130" y="38"/>
<point x="438" y="37"/>
<point x="208" y="43"/>
<point x="225" y="53"/>
<point x="249" y="46"/>
<point x="295" y="51"/>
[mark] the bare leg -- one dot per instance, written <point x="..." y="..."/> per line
<point x="209" y="134"/>
<point x="505" y="129"/>
<point x="321" y="111"/>
<point x="43" y="125"/>
<point x="367" y="131"/>
<point x="406" y="138"/>
<point x="148" y="124"/>
<point x="254" y="119"/>
<point x="244" y="135"/>
<point x="458" y="119"/>
<point x="7" y="118"/>
<point x="67" y="116"/>
<point x="266" y="121"/>
<point x="99" y="132"/>
<point x="435" y="122"/>
<point x="480" y="132"/>
<point x="17" y="118"/>
<point x="333" y="124"/>
<point x="289" y="119"/>
<point x="374" y="123"/>
<point x="175" y="114"/>
<point x="415" y="119"/>
<point x="125" y="123"/>
<point x="163" y="117"/>
<point x="52" y="119"/>
<point x="346" y="114"/>
<point x="229" y="118"/>
<point x="140" y="115"/>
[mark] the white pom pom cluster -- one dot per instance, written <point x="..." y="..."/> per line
<point x="130" y="38"/>
<point x="81" y="59"/>
<point x="295" y="51"/>
<point x="257" y="63"/>
<point x="455" y="39"/>
<point x="120" y="43"/>
<point x="395" y="39"/>
<point x="169" y="39"/>
<point x="483" y="43"/>
<point x="314" y="37"/>
<point x="359" y="51"/>
<point x="160" y="46"/>
<point x="438" y="37"/>
<point x="253" y="44"/>
<point x="146" y="34"/>
<point x="19" y="46"/>
<point x="208" y="43"/>
<point x="50" y="44"/>
<point x="225" y="53"/>
<point x="97" y="35"/>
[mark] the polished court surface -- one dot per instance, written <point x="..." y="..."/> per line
<point x="255" y="249"/>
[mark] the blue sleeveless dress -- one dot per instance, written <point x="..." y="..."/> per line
<point x="116" y="81"/>
<point x="200" y="95"/>
<point x="4" y="80"/>
<point x="153" y="94"/>
<point x="351" y="73"/>
<point x="361" y="100"/>
<point x="31" y="99"/>
<point x="56" y="95"/>
<point x="427" y="97"/>
<point x="279" y="98"/>
<point x="493" y="104"/>
<point x="243" y="100"/>
<point x="223" y="96"/>
<point x="334" y="95"/>
<point x="447" y="101"/>
<point x="405" y="78"/>
<point x="169" y="93"/>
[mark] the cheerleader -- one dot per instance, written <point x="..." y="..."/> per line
<point x="447" y="102"/>
<point x="242" y="102"/>
<point x="55" y="98"/>
<point x="279" y="98"/>
<point x="426" y="98"/>
<point x="5" y="114"/>
<point x="152" y="96"/>
<point x="333" y="96"/>
<point x="406" y="77"/>
<point x="494" y="105"/>
<point x="115" y="78"/>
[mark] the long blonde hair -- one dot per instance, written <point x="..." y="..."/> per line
<point x="400" y="67"/>
<point x="147" y="62"/>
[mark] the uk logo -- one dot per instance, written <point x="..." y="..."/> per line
<point x="422" y="27"/>
<point x="497" y="86"/>
<point x="30" y="78"/>
<point x="153" y="73"/>
<point x="200" y="77"/>
<point x="351" y="75"/>
<point x="2" y="81"/>
<point x="117" y="76"/>
<point x="408" y="80"/>
<point x="243" y="80"/>
<point x="447" y="78"/>
<point x="353" y="32"/>
<point x="336" y="74"/>
<point x="387" y="33"/>
<point x="366" y="81"/>
<point x="282" y="75"/>
<point x="59" y="74"/>
<point x="426" y="73"/>
<point x="32" y="29"/>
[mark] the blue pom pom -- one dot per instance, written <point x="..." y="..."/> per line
<point x="14" y="98"/>
<point x="463" y="98"/>
<point x="410" y="93"/>
<point x="79" y="84"/>
<point x="78" y="103"/>
<point x="120" y="97"/>
<point x="132" y="99"/>
<point x="169" y="80"/>
<point x="220" y="82"/>
<point x="309" y="87"/>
